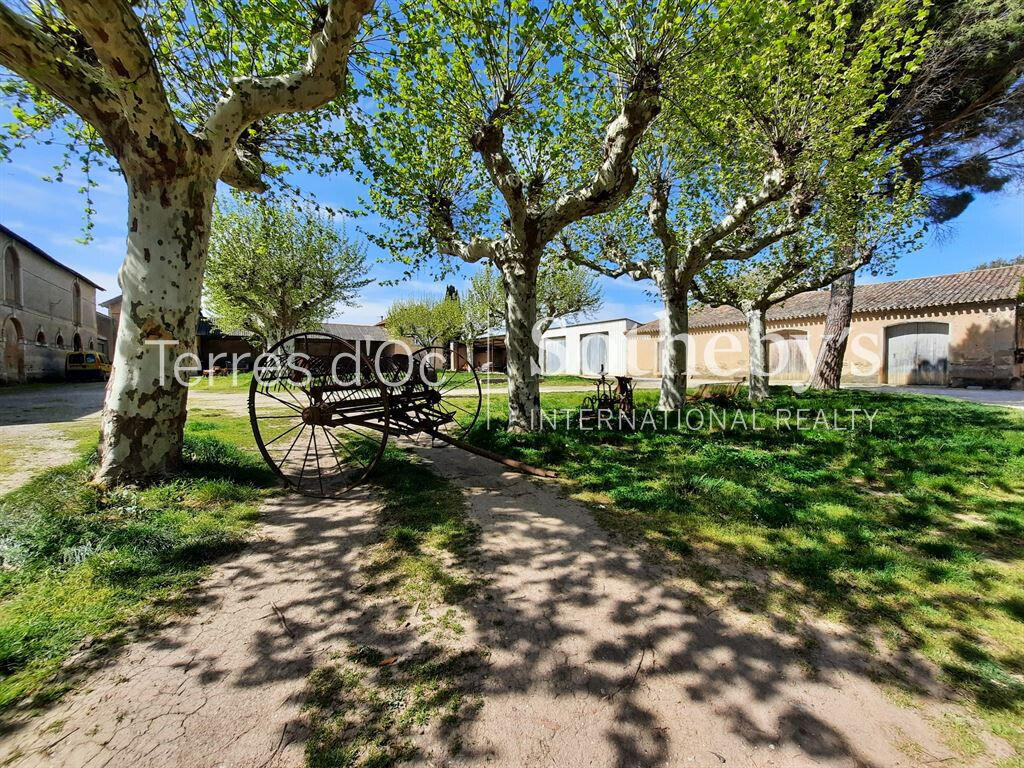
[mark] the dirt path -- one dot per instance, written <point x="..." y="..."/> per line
<point x="598" y="660"/>
<point x="594" y="658"/>
<point x="27" y="449"/>
<point x="223" y="687"/>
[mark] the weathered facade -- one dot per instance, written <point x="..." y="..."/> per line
<point x="960" y="329"/>
<point x="46" y="309"/>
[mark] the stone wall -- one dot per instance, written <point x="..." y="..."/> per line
<point x="39" y="304"/>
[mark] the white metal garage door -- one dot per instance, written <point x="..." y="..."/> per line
<point x="917" y="353"/>
<point x="788" y="355"/>
<point x="554" y="355"/>
<point x="594" y="353"/>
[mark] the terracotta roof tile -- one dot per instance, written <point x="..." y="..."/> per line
<point x="979" y="285"/>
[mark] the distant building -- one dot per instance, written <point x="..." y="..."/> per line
<point x="584" y="349"/>
<point x="46" y="310"/>
<point x="222" y="346"/>
<point x="959" y="329"/>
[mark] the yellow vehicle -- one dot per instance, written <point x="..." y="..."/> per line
<point x="83" y="366"/>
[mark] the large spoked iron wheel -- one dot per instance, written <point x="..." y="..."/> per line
<point x="319" y="414"/>
<point x="454" y="396"/>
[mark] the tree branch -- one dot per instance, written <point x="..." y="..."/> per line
<point x="244" y="171"/>
<point x="755" y="246"/>
<point x="625" y="266"/>
<point x="727" y="298"/>
<point x="819" y="281"/>
<point x="442" y="230"/>
<point x="489" y="142"/>
<point x="322" y="79"/>
<point x="42" y="60"/>
<point x="775" y="185"/>
<point x="657" y="215"/>
<point x="115" y="34"/>
<point x="616" y="177"/>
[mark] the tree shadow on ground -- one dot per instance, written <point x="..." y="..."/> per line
<point x="903" y="531"/>
<point x="610" y="633"/>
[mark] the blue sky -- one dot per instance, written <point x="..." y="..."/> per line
<point x="50" y="215"/>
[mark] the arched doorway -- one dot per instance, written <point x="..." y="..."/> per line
<point x="76" y="342"/>
<point x="14" y="356"/>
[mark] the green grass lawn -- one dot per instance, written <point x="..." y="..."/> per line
<point x="914" y="529"/>
<point x="80" y="564"/>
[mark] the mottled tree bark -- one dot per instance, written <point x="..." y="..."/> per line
<point x="676" y="329"/>
<point x="521" y="347"/>
<point x="758" y="345"/>
<point x="828" y="368"/>
<point x="161" y="280"/>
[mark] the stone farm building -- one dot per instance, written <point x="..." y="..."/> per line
<point x="224" y="348"/>
<point x="959" y="329"/>
<point x="47" y="309"/>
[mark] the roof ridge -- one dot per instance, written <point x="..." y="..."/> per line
<point x="944" y="274"/>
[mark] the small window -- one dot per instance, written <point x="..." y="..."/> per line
<point x="75" y="359"/>
<point x="76" y="342"/>
<point x="41" y="337"/>
<point x="60" y="340"/>
<point x="12" y="277"/>
<point x="76" y="303"/>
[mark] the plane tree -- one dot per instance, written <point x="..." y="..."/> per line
<point x="957" y="128"/>
<point x="851" y="228"/>
<point x="182" y="96"/>
<point x="754" y="132"/>
<point x="492" y="125"/>
<point x="274" y="270"/>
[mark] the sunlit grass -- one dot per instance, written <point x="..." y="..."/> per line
<point x="913" y="530"/>
<point x="79" y="563"/>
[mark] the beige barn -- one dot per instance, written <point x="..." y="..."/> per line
<point x="959" y="329"/>
<point x="46" y="310"/>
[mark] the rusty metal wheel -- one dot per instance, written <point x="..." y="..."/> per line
<point x="454" y="396"/>
<point x="319" y="413"/>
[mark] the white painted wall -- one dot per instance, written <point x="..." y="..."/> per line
<point x="573" y="334"/>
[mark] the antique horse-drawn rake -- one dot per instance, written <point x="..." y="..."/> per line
<point x="322" y="412"/>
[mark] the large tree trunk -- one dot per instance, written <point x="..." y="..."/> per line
<point x="828" y="368"/>
<point x="674" y="363"/>
<point x="758" y="344"/>
<point x="161" y="280"/>
<point x="522" y="352"/>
